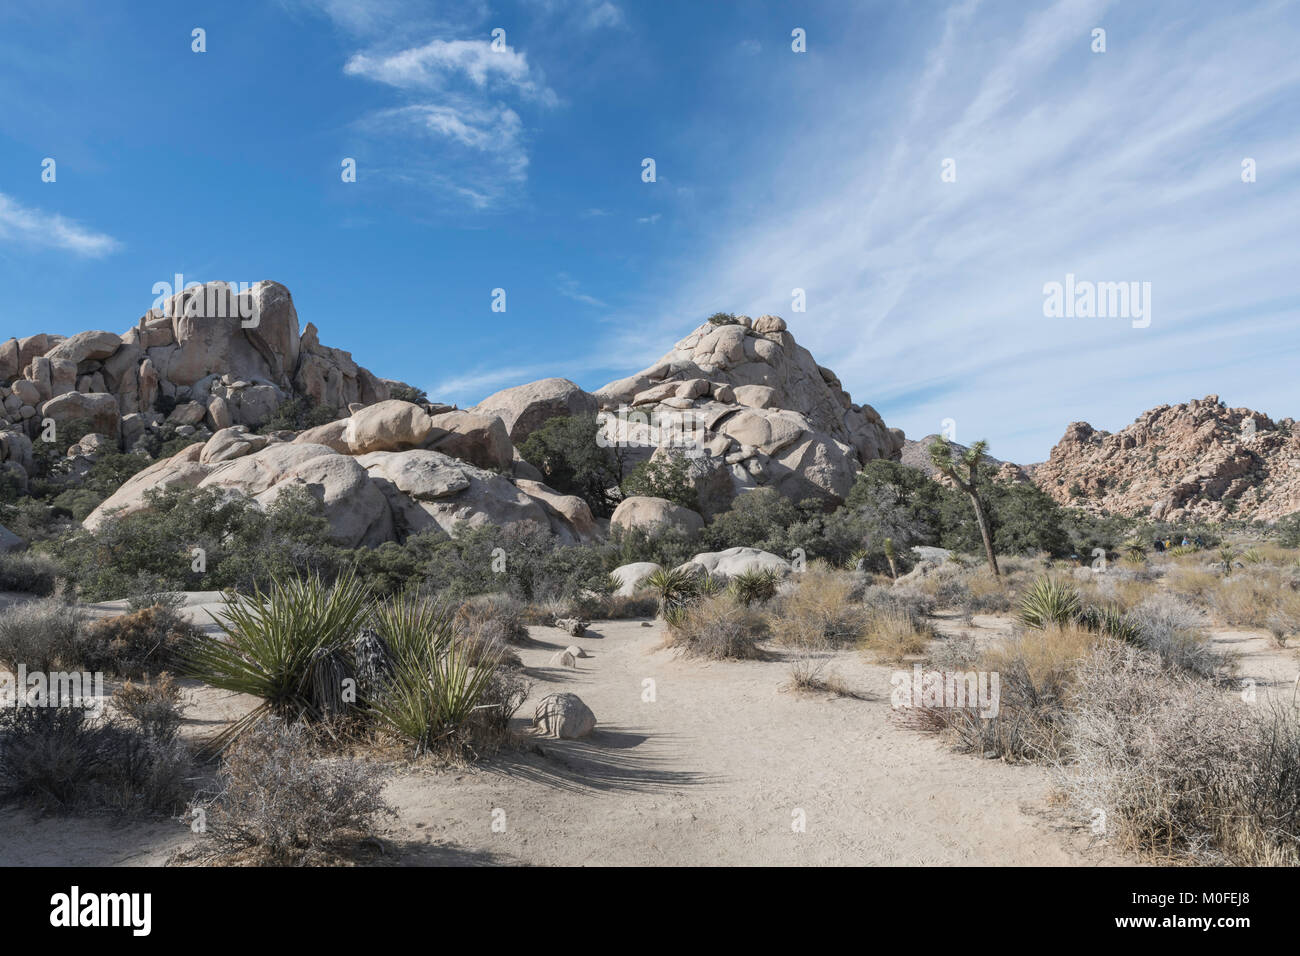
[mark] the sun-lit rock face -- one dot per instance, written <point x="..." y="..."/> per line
<point x="749" y="407"/>
<point x="1199" y="460"/>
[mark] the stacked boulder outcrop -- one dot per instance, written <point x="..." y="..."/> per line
<point x="745" y="406"/>
<point x="210" y="357"/>
<point x="1194" y="461"/>
<point x="380" y="476"/>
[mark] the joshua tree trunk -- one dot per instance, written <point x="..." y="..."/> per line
<point x="984" y="532"/>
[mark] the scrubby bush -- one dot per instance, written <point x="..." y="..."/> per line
<point x="28" y="573"/>
<point x="1179" y="769"/>
<point x="44" y="635"/>
<point x="718" y="627"/>
<point x="276" y="804"/>
<point x="61" y="759"/>
<point x="154" y="704"/>
<point x="143" y="642"/>
<point x="892" y="634"/>
<point x="819" y="609"/>
<point x="1036" y="670"/>
<point x="1174" y="631"/>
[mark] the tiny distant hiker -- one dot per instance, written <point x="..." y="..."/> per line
<point x="1186" y="543"/>
<point x="1160" y="545"/>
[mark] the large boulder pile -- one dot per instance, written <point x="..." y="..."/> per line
<point x="380" y="475"/>
<point x="746" y="406"/>
<point x="1195" y="461"/>
<point x="210" y="357"/>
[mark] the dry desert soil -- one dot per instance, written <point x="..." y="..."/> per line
<point x="713" y="768"/>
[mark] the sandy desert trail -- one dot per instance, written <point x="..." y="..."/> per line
<point x="709" y="773"/>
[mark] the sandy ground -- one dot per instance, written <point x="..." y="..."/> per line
<point x="715" y="766"/>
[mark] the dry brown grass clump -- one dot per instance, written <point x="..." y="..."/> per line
<point x="1177" y="768"/>
<point x="1036" y="671"/>
<point x="820" y="610"/>
<point x="718" y="627"/>
<point x="892" y="634"/>
<point x="1259" y="597"/>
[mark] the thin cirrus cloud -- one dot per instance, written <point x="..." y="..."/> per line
<point x="36" y="227"/>
<point x="456" y="92"/>
<point x="927" y="296"/>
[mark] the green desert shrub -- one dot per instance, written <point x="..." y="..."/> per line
<point x="571" y="459"/>
<point x="667" y="477"/>
<point x="28" y="573"/>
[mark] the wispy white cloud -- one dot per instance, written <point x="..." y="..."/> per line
<point x="462" y="94"/>
<point x="583" y="14"/>
<point x="36" y="227"/>
<point x="440" y="65"/>
<point x="926" y="296"/>
<point x="568" y="287"/>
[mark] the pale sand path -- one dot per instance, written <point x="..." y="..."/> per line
<point x="708" y="774"/>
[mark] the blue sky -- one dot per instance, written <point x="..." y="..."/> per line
<point x="521" y="169"/>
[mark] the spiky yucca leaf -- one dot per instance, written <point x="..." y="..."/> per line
<point x="289" y="646"/>
<point x="675" y="588"/>
<point x="1110" y="619"/>
<point x="432" y="694"/>
<point x="411" y="621"/>
<point x="756" y="584"/>
<point x="1048" y="601"/>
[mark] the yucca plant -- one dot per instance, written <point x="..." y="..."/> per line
<point x="1253" y="556"/>
<point x="1110" y="619"/>
<point x="431" y="696"/>
<point x="756" y="584"/>
<point x="1227" y="554"/>
<point x="1135" y="551"/>
<point x="290" y="646"/>
<point x="858" y="560"/>
<point x="675" y="589"/>
<point x="1048" y="601"/>
<point x="411" y="621"/>
<point x="707" y="585"/>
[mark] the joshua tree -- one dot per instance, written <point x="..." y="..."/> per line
<point x="969" y="463"/>
<point x="889" y="556"/>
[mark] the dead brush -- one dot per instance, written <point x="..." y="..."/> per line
<point x="1036" y="670"/>
<point x="1180" y="770"/>
<point x="276" y="803"/>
